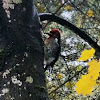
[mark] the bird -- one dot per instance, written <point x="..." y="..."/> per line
<point x="52" y="48"/>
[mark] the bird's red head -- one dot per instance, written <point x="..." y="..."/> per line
<point x="55" y="32"/>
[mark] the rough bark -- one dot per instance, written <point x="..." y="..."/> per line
<point x="21" y="53"/>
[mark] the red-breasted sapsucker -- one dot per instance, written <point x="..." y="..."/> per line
<point x="52" y="48"/>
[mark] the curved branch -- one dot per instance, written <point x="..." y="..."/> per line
<point x="76" y="30"/>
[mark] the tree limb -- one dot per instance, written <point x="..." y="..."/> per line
<point x="76" y="30"/>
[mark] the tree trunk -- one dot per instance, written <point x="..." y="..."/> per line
<point x="22" y="75"/>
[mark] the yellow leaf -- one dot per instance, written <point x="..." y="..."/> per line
<point x="53" y="88"/>
<point x="87" y="82"/>
<point x="41" y="9"/>
<point x="59" y="4"/>
<point x="68" y="7"/>
<point x="86" y="54"/>
<point x="38" y="4"/>
<point x="92" y="65"/>
<point x="94" y="68"/>
<point x="79" y="68"/>
<point x="69" y="84"/>
<point x="85" y="85"/>
<point x="90" y="13"/>
<point x="59" y="76"/>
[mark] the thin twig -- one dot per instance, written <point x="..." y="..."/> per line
<point x="78" y="9"/>
<point x="67" y="80"/>
<point x="54" y="13"/>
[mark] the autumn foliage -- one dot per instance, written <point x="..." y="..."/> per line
<point x="87" y="82"/>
